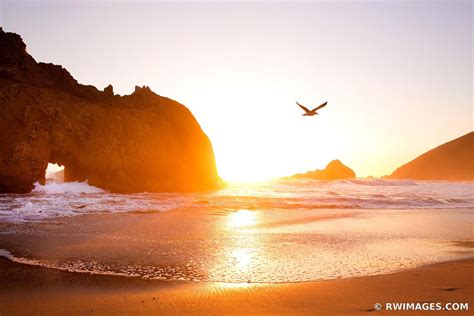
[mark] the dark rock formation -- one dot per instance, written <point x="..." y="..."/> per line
<point x="109" y="90"/>
<point x="334" y="170"/>
<point x="451" y="161"/>
<point x="135" y="143"/>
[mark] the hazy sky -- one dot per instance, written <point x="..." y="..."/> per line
<point x="397" y="74"/>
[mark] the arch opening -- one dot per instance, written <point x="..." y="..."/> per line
<point x="54" y="173"/>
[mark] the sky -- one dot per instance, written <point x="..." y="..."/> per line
<point x="397" y="75"/>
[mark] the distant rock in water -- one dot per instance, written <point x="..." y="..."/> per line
<point x="334" y="170"/>
<point x="133" y="143"/>
<point x="57" y="176"/>
<point x="452" y="161"/>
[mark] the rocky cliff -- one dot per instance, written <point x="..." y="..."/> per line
<point x="134" y="143"/>
<point x="334" y="170"/>
<point x="451" y="161"/>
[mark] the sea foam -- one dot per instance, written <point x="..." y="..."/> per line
<point x="66" y="188"/>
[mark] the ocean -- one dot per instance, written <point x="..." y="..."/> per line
<point x="75" y="198"/>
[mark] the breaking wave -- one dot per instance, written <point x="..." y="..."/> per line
<point x="55" y="199"/>
<point x="66" y="188"/>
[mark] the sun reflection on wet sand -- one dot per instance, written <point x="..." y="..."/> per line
<point x="243" y="251"/>
<point x="242" y="218"/>
<point x="242" y="257"/>
<point x="250" y="246"/>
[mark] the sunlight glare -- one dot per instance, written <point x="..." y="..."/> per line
<point x="242" y="218"/>
<point x="242" y="257"/>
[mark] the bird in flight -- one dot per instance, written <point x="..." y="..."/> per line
<point x="313" y="111"/>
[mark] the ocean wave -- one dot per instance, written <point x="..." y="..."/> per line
<point x="76" y="198"/>
<point x="66" y="188"/>
<point x="381" y="182"/>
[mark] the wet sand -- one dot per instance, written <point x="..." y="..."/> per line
<point x="240" y="246"/>
<point x="31" y="290"/>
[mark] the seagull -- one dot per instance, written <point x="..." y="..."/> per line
<point x="313" y="111"/>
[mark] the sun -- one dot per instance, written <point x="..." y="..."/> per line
<point x="246" y="176"/>
<point x="242" y="168"/>
<point x="238" y="170"/>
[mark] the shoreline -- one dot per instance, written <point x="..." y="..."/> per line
<point x="7" y="255"/>
<point x="213" y="246"/>
<point x="26" y="289"/>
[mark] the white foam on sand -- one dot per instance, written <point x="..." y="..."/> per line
<point x="50" y="265"/>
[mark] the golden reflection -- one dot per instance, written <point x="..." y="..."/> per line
<point x="242" y="257"/>
<point x="242" y="218"/>
<point x="241" y="254"/>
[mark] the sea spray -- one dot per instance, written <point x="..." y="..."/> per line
<point x="66" y="188"/>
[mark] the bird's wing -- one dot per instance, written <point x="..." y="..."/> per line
<point x="303" y="107"/>
<point x="321" y="106"/>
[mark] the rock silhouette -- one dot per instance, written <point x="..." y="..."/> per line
<point x="452" y="161"/>
<point x="133" y="143"/>
<point x="334" y="170"/>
